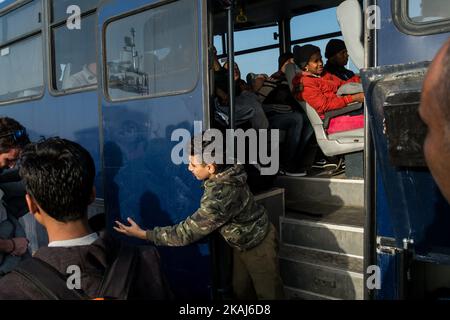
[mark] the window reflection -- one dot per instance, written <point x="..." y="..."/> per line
<point x="22" y="69"/>
<point x="428" y="11"/>
<point x="153" y="52"/>
<point x="74" y="54"/>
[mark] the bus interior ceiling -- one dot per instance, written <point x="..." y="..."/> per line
<point x="262" y="13"/>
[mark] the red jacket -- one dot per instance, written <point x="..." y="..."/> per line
<point x="320" y="92"/>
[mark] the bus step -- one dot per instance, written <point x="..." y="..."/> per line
<point x="322" y="236"/>
<point x="334" y="192"/>
<point x="297" y="294"/>
<point x="322" y="280"/>
<point x="330" y="259"/>
<point x="320" y="212"/>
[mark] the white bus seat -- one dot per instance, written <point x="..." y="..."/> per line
<point x="65" y="84"/>
<point x="350" y="18"/>
<point x="337" y="143"/>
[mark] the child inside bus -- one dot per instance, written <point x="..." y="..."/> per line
<point x="319" y="89"/>
<point x="227" y="205"/>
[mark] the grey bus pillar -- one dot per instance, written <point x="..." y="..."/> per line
<point x="231" y="90"/>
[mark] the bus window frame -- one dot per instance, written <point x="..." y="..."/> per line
<point x="51" y="56"/>
<point x="318" y="37"/>
<point x="406" y="25"/>
<point x="104" y="75"/>
<point x="28" y="35"/>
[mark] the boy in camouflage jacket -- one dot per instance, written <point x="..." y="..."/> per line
<point x="228" y="205"/>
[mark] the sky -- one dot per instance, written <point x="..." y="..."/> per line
<point x="266" y="61"/>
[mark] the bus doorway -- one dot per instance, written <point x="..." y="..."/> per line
<point x="321" y="224"/>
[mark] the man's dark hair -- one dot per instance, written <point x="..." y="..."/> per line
<point x="12" y="135"/>
<point x="59" y="174"/>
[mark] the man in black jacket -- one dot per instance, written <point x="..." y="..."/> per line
<point x="59" y="177"/>
<point x="337" y="55"/>
<point x="13" y="243"/>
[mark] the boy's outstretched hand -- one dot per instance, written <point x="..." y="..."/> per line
<point x="132" y="230"/>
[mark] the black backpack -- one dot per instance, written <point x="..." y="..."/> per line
<point x="116" y="282"/>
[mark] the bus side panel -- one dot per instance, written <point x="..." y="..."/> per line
<point x="384" y="221"/>
<point x="414" y="203"/>
<point x="141" y="179"/>
<point x="395" y="47"/>
<point x="408" y="204"/>
<point x="73" y="117"/>
<point x="389" y="266"/>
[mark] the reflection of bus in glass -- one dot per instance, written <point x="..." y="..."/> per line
<point x="125" y="75"/>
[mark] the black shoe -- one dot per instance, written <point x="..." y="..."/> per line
<point x="340" y="168"/>
<point x="325" y="164"/>
<point x="321" y="172"/>
<point x="292" y="174"/>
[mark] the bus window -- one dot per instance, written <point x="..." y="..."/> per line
<point x="256" y="50"/>
<point x="59" y="8"/>
<point x="21" y="57"/>
<point x="154" y="52"/>
<point x="73" y="51"/>
<point x="218" y="44"/>
<point x="254" y="38"/>
<point x="258" y="62"/>
<point x="419" y="17"/>
<point x="314" y="24"/>
<point x="420" y="11"/>
<point x="21" y="21"/>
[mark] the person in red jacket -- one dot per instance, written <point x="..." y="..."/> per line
<point x="318" y="87"/>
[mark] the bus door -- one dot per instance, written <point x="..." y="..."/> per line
<point x="153" y="83"/>
<point x="412" y="218"/>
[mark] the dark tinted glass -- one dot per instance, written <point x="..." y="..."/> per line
<point x="74" y="54"/>
<point x="60" y="8"/>
<point x="22" y="70"/>
<point x="20" y="21"/>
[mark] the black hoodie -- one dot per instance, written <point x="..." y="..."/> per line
<point x="149" y="281"/>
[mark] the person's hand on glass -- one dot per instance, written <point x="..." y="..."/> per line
<point x="133" y="230"/>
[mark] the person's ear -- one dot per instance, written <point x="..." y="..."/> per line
<point x="93" y="195"/>
<point x="32" y="206"/>
<point x="34" y="209"/>
<point x="212" y="168"/>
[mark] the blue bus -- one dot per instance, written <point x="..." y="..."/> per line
<point x="120" y="76"/>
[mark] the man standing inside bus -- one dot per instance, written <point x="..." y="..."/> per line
<point x="435" y="112"/>
<point x="13" y="244"/>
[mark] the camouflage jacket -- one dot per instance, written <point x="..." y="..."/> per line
<point x="228" y="205"/>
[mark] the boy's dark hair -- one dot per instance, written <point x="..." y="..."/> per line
<point x="59" y="174"/>
<point x="199" y="141"/>
<point x="12" y="135"/>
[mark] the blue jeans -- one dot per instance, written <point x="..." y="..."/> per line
<point x="298" y="132"/>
